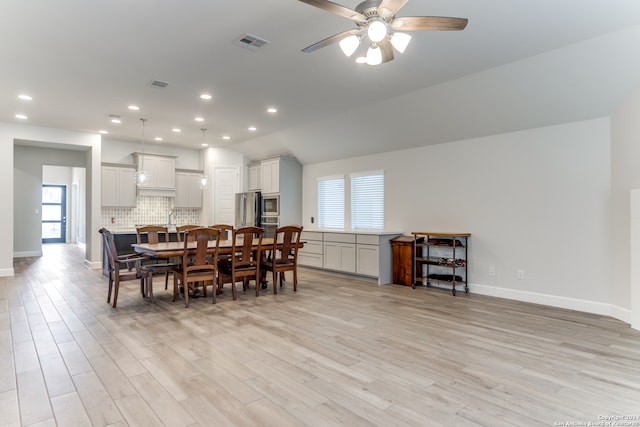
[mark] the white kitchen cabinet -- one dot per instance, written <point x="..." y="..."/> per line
<point x="254" y="177"/>
<point x="367" y="260"/>
<point x="312" y="254"/>
<point x="161" y="174"/>
<point x="270" y="176"/>
<point x="118" y="186"/>
<point x="340" y="252"/>
<point x="188" y="189"/>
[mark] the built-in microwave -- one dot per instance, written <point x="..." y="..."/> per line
<point x="271" y="205"/>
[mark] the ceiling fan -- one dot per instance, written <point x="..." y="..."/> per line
<point x="377" y="20"/>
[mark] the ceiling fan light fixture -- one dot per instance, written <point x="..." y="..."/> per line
<point x="374" y="55"/>
<point x="400" y="41"/>
<point x="377" y="30"/>
<point x="349" y="45"/>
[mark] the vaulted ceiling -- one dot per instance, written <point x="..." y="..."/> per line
<point x="517" y="65"/>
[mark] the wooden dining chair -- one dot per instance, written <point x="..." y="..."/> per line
<point x="227" y="230"/>
<point x="283" y="255"/>
<point x="155" y="234"/>
<point x="199" y="263"/>
<point x="181" y="230"/>
<point x="122" y="268"/>
<point x="244" y="262"/>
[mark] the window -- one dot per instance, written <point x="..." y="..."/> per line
<point x="331" y="202"/>
<point x="367" y="200"/>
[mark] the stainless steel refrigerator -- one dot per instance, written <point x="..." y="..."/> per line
<point x="248" y="209"/>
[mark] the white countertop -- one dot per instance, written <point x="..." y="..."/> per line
<point x="353" y="231"/>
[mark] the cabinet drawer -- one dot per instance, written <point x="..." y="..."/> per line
<point x="340" y="237"/>
<point x="311" y="260"/>
<point x="311" y="247"/>
<point x="367" y="239"/>
<point x="311" y="235"/>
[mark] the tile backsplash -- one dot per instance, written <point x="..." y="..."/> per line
<point x="149" y="210"/>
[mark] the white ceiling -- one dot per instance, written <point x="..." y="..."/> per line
<point x="517" y="65"/>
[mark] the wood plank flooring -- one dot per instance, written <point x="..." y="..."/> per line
<point x="339" y="352"/>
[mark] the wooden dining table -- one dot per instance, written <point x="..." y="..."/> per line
<point x="176" y="249"/>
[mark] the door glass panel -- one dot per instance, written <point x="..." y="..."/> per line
<point x="51" y="195"/>
<point x="51" y="213"/>
<point x="51" y="230"/>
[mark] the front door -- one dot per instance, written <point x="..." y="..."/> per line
<point x="54" y="213"/>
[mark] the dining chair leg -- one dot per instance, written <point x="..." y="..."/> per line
<point x="115" y="293"/>
<point x="295" y="279"/>
<point x="149" y="280"/>
<point x="175" y="287"/>
<point x="275" y="282"/>
<point x="110" y="288"/>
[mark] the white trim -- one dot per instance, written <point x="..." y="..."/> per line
<point x="92" y="265"/>
<point x="27" y="254"/>
<point x="7" y="272"/>
<point x="619" y="313"/>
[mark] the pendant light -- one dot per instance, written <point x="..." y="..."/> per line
<point x="141" y="175"/>
<point x="203" y="178"/>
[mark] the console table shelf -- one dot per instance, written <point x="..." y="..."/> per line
<point x="441" y="258"/>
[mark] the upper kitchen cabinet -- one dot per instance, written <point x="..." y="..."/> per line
<point x="188" y="189"/>
<point x="277" y="174"/>
<point x="254" y="177"/>
<point x="118" y="185"/>
<point x="161" y="174"/>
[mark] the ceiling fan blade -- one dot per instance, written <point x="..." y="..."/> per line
<point x="337" y="9"/>
<point x="330" y="40"/>
<point x="389" y="8"/>
<point x="428" y="23"/>
<point x="387" y="50"/>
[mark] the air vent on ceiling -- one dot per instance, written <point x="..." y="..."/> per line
<point x="157" y="84"/>
<point x="251" y="42"/>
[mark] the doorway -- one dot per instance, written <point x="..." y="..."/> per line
<point x="54" y="213"/>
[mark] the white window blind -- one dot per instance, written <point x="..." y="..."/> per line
<point x="331" y="202"/>
<point x="367" y="200"/>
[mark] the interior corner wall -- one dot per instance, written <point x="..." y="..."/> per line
<point x="625" y="158"/>
<point x="536" y="200"/>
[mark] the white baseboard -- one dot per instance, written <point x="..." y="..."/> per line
<point x="27" y="254"/>
<point x="92" y="265"/>
<point x="7" y="272"/>
<point x="586" y="306"/>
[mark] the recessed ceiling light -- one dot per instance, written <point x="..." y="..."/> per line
<point x="199" y="119"/>
<point x="116" y="120"/>
<point x="25" y="97"/>
<point x="253" y="128"/>
<point x="176" y="130"/>
<point x="133" y="107"/>
<point x="104" y="132"/>
<point x="205" y="96"/>
<point x="226" y="137"/>
<point x="158" y="138"/>
<point x="21" y="117"/>
<point x="272" y="110"/>
<point x="204" y="144"/>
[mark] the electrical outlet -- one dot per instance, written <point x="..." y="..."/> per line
<point x="521" y="274"/>
<point x="492" y="270"/>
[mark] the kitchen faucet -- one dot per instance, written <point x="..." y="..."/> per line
<point x="169" y="224"/>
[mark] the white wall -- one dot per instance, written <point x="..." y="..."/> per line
<point x="536" y="200"/>
<point x="59" y="139"/>
<point x="625" y="134"/>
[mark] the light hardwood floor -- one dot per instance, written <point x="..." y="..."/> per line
<point x="339" y="352"/>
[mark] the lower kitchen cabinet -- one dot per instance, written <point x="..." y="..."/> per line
<point x="363" y="254"/>
<point x="340" y="252"/>
<point x="312" y="254"/>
